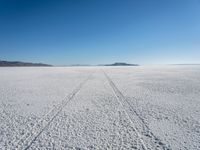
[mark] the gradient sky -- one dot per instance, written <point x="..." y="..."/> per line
<point x="62" y="32"/>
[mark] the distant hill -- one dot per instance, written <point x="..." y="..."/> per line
<point x="74" y="65"/>
<point x="120" y="64"/>
<point x="21" y="64"/>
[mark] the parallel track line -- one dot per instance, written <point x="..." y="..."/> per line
<point x="29" y="137"/>
<point x="124" y="102"/>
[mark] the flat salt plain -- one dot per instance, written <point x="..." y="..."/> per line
<point x="145" y="107"/>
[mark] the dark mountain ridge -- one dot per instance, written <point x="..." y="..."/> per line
<point x="120" y="64"/>
<point x="21" y="64"/>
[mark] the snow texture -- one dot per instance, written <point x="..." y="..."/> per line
<point x="144" y="107"/>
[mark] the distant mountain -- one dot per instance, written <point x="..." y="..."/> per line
<point x="21" y="64"/>
<point x="120" y="64"/>
<point x="74" y="65"/>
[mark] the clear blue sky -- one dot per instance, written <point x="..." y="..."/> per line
<point x="63" y="32"/>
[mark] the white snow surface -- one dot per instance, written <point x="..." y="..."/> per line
<point x="143" y="107"/>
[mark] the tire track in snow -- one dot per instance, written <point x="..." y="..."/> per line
<point x="29" y="137"/>
<point x="127" y="106"/>
<point x="121" y="119"/>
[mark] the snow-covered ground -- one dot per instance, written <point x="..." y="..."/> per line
<point x="146" y="107"/>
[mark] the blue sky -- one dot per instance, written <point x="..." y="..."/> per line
<point x="62" y="32"/>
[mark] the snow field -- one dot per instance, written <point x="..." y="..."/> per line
<point x="147" y="107"/>
<point x="167" y="99"/>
